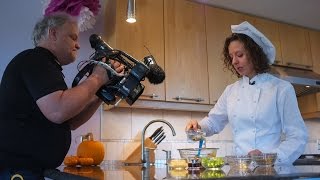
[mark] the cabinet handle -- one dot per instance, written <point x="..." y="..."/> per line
<point x="152" y="96"/>
<point x="277" y="62"/>
<point x="178" y="98"/>
<point x="298" y="65"/>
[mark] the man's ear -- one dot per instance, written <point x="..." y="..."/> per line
<point x="52" y="34"/>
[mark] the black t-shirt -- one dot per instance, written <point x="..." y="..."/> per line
<point x="28" y="138"/>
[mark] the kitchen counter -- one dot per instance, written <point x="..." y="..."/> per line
<point x="117" y="171"/>
<point x="307" y="159"/>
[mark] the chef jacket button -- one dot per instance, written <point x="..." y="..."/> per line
<point x="238" y="99"/>
<point x="254" y="101"/>
<point x="251" y="117"/>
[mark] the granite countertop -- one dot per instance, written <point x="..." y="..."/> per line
<point x="115" y="171"/>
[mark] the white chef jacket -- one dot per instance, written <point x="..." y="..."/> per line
<point x="263" y="116"/>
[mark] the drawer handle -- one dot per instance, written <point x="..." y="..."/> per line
<point x="298" y="65"/>
<point x="179" y="98"/>
<point x="152" y="96"/>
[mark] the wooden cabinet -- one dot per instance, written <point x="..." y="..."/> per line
<point x="295" y="46"/>
<point x="271" y="30"/>
<point x="185" y="52"/>
<point x="187" y="39"/>
<point x="314" y="37"/>
<point x="137" y="38"/>
<point x="218" y="28"/>
<point x="310" y="104"/>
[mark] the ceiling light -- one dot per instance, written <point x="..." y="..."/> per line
<point x="131" y="11"/>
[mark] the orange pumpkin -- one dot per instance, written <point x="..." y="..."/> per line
<point x="89" y="148"/>
<point x="94" y="172"/>
<point x="85" y="161"/>
<point x="71" y="160"/>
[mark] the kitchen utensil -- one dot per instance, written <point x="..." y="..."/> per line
<point x="195" y="135"/>
<point x="135" y="156"/>
<point x="178" y="163"/>
<point x="191" y="154"/>
<point x="238" y="162"/>
<point x="159" y="141"/>
<point x="200" y="146"/>
<point x="264" y="159"/>
<point x="158" y="137"/>
<point x="156" y="132"/>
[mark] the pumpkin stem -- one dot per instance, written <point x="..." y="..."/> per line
<point x="87" y="137"/>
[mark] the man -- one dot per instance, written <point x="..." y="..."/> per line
<point x="37" y="110"/>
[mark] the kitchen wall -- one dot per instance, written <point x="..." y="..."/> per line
<point x="121" y="131"/>
<point x="119" y="128"/>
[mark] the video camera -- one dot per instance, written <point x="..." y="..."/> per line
<point x="124" y="85"/>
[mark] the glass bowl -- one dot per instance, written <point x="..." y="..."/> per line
<point x="264" y="159"/>
<point x="236" y="172"/>
<point x="195" y="135"/>
<point x="178" y="163"/>
<point x="178" y="173"/>
<point x="264" y="170"/>
<point x="212" y="162"/>
<point x="208" y="174"/>
<point x="240" y="162"/>
<point x="194" y="155"/>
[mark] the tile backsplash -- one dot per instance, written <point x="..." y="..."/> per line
<point x="121" y="130"/>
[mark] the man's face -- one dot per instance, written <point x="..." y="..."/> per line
<point x="66" y="43"/>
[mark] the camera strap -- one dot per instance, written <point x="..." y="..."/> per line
<point x="87" y="69"/>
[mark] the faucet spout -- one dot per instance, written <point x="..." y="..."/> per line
<point x="143" y="159"/>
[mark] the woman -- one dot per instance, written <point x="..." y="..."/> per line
<point x="261" y="109"/>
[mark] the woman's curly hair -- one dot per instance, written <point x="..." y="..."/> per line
<point x="258" y="57"/>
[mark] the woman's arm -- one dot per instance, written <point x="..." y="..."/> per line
<point x="293" y="128"/>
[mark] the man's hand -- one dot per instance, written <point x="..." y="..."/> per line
<point x="117" y="66"/>
<point x="101" y="73"/>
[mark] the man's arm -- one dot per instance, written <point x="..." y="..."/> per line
<point x="86" y="114"/>
<point x="61" y="106"/>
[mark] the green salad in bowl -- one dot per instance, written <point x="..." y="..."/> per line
<point x="208" y="174"/>
<point x="212" y="162"/>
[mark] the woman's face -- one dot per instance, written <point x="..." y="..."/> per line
<point x="241" y="59"/>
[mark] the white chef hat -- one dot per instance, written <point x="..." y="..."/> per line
<point x="249" y="30"/>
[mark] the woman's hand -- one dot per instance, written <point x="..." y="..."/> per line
<point x="193" y="124"/>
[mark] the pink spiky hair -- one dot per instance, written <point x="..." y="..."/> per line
<point x="85" y="10"/>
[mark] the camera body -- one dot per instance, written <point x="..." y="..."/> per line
<point x="125" y="85"/>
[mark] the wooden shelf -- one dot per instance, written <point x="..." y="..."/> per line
<point x="177" y="106"/>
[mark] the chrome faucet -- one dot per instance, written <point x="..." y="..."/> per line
<point x="143" y="156"/>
